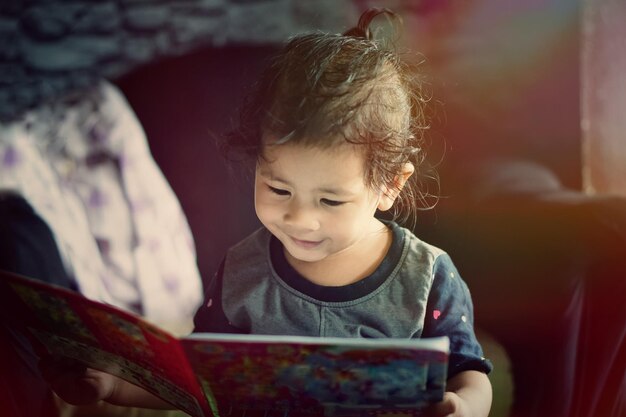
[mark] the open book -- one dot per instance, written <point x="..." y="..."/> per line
<point x="221" y="374"/>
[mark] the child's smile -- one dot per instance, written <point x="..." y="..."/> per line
<point x="306" y="244"/>
<point x="316" y="202"/>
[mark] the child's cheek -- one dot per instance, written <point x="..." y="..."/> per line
<point x="268" y="208"/>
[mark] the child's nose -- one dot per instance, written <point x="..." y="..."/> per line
<point x="301" y="217"/>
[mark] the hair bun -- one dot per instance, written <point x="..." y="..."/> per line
<point x="362" y="29"/>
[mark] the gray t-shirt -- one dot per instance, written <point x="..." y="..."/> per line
<point x="415" y="292"/>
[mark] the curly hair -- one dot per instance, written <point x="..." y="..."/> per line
<point x="324" y="89"/>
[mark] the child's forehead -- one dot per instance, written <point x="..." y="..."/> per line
<point x="338" y="169"/>
<point x="345" y="158"/>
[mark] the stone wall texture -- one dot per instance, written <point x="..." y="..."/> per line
<point x="50" y="46"/>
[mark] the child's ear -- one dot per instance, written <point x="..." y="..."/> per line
<point x="391" y="191"/>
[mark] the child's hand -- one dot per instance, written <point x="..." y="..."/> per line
<point x="450" y="406"/>
<point x="75" y="383"/>
<point x="469" y="395"/>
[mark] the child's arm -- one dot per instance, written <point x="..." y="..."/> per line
<point x="468" y="394"/>
<point x="79" y="385"/>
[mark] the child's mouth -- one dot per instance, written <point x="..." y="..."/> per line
<point x="306" y="244"/>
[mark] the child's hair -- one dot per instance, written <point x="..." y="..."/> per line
<point x="324" y="89"/>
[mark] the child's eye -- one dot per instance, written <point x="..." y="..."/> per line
<point x="278" y="191"/>
<point x="331" y="203"/>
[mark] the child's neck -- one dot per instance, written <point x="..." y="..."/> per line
<point x="352" y="264"/>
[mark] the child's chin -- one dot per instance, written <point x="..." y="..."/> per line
<point x="303" y="256"/>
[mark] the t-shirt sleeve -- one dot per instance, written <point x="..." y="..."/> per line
<point x="210" y="317"/>
<point x="450" y="312"/>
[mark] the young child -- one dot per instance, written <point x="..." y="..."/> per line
<point x="334" y="130"/>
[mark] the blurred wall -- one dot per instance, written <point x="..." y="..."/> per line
<point x="506" y="79"/>
<point x="604" y="96"/>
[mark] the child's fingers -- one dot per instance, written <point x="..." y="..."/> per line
<point x="74" y="382"/>
<point x="446" y="407"/>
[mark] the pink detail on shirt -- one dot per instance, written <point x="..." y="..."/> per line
<point x="436" y="314"/>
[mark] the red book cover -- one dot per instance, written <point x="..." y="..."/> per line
<point x="103" y="337"/>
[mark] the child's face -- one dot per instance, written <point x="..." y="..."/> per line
<point x="315" y="200"/>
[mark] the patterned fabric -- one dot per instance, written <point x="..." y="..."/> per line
<point x="84" y="165"/>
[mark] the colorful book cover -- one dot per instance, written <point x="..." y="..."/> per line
<point x="220" y="374"/>
<point x="310" y="376"/>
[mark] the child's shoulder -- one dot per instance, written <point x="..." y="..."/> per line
<point x="422" y="255"/>
<point x="413" y="243"/>
<point x="250" y="253"/>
